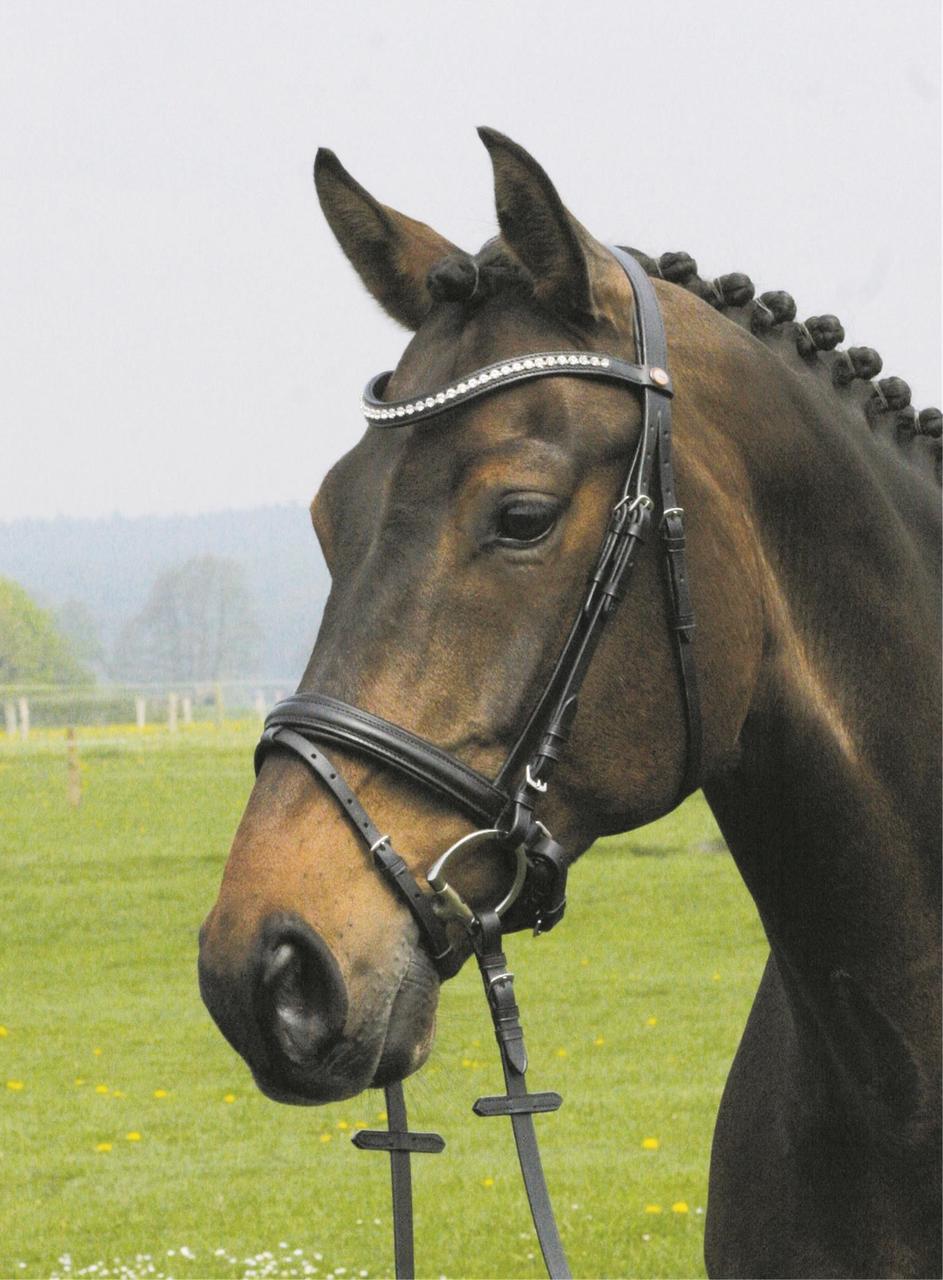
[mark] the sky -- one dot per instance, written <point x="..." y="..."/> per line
<point x="178" y="330"/>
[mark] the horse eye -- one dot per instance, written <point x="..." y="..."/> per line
<point x="521" y="521"/>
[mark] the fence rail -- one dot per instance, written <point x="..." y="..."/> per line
<point x="28" y="707"/>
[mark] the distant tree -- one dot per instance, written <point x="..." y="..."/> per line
<point x="80" y="627"/>
<point x="198" y="624"/>
<point x="32" y="648"/>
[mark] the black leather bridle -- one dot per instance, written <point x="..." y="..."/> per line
<point x="506" y="804"/>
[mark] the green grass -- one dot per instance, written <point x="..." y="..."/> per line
<point x="633" y="1008"/>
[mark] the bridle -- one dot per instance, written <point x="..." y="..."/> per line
<point x="505" y="805"/>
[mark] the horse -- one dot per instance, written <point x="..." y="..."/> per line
<point x="459" y="546"/>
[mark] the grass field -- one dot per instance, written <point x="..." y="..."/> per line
<point x="132" y="1142"/>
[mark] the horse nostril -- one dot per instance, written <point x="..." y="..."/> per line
<point x="275" y="964"/>
<point x="301" y="1000"/>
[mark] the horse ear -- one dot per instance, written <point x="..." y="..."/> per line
<point x="567" y="263"/>
<point x="391" y="253"/>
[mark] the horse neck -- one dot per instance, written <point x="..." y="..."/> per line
<point x="830" y="804"/>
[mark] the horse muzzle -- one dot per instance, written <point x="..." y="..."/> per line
<point x="288" y="1012"/>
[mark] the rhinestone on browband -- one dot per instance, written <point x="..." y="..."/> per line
<point x="490" y="376"/>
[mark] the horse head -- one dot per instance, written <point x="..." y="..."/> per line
<point x="458" y="550"/>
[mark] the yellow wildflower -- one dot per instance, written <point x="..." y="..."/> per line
<point x="652" y="1022"/>
<point x="680" y="1206"/>
<point x="101" y="1088"/>
<point x="160" y="1093"/>
<point x="229" y="1097"/>
<point x="342" y="1124"/>
<point x="653" y="1208"/>
<point x="133" y="1136"/>
<point x="651" y="1144"/>
<point x="103" y="1146"/>
<point x="561" y="1053"/>
<point x="599" y="1041"/>
<point x="15" y="1085"/>
<point x="3" y="1031"/>
<point x="326" y="1137"/>
<point x="487" y="1182"/>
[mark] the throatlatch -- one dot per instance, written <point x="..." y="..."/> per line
<point x="506" y="804"/>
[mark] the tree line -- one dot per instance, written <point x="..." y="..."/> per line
<point x="199" y="623"/>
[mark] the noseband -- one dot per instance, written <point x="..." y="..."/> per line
<point x="505" y="805"/>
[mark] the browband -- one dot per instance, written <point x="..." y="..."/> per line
<point x="504" y="373"/>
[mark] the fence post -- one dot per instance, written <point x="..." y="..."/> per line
<point x="187" y="708"/>
<point x="9" y="715"/>
<point x="172" y="713"/>
<point x="24" y="718"/>
<point x="74" y="776"/>
<point x="260" y="705"/>
<point x="140" y="710"/>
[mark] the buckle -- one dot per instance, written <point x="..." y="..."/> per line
<point x="632" y="504"/>
<point x="533" y="782"/>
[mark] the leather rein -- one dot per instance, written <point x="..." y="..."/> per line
<point x="505" y="805"/>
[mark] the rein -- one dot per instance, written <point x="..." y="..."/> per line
<point x="506" y="804"/>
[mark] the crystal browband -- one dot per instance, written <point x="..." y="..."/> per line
<point x="494" y="376"/>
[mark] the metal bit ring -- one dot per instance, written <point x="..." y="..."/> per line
<point x="450" y="902"/>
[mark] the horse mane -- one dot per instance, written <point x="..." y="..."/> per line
<point x="884" y="403"/>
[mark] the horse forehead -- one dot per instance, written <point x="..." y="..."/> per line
<point x="428" y="460"/>
<point x="533" y="426"/>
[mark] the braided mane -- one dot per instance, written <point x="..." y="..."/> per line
<point x="853" y="372"/>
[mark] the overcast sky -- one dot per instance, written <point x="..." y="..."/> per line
<point x="178" y="330"/>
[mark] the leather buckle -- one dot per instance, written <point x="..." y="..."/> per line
<point x="671" y="527"/>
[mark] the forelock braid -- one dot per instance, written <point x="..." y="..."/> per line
<point x="462" y="278"/>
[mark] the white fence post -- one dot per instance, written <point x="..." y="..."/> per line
<point x="187" y="708"/>
<point x="140" y="710"/>
<point x="172" y="713"/>
<point x="24" y="718"/>
<point x="9" y="716"/>
<point x="260" y="705"/>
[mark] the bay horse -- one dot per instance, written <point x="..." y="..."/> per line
<point x="459" y="548"/>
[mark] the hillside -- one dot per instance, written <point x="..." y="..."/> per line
<point x="110" y="564"/>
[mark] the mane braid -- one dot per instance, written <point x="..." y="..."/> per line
<point x="885" y="405"/>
